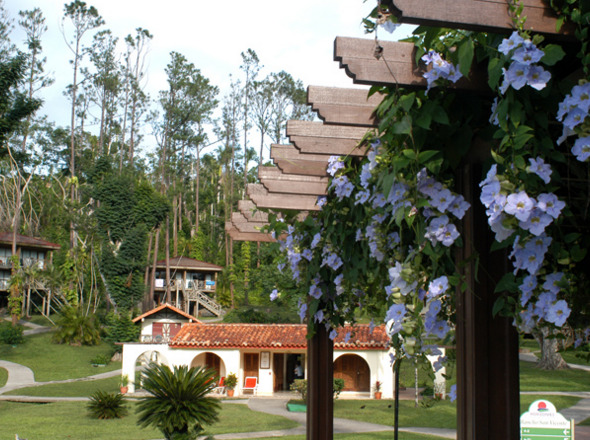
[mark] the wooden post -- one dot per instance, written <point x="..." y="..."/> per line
<point x="487" y="346"/>
<point x="320" y="373"/>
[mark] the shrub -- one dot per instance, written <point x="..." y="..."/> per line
<point x="101" y="359"/>
<point x="300" y="385"/>
<point x="120" y="328"/>
<point x="178" y="405"/>
<point x="10" y="334"/>
<point x="105" y="405"/>
<point x="76" y="328"/>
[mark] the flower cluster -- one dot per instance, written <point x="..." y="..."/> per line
<point x="441" y="69"/>
<point x="506" y="211"/>
<point x="574" y="111"/>
<point x="442" y="201"/>
<point x="523" y="69"/>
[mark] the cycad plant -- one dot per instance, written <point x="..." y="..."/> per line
<point x="105" y="405"/>
<point x="178" y="405"/>
<point x="75" y="327"/>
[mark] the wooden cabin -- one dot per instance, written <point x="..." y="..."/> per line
<point x="192" y="286"/>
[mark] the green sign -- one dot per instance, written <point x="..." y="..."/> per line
<point x="542" y="421"/>
<point x="546" y="433"/>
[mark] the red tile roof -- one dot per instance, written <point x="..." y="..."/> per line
<point x="22" y="240"/>
<point x="169" y="307"/>
<point x="188" y="264"/>
<point x="273" y="336"/>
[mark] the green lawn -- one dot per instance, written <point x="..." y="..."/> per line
<point x="72" y="389"/>
<point x="3" y="377"/>
<point x="51" y="361"/>
<point x="368" y="436"/>
<point x="534" y="379"/>
<point x="70" y="420"/>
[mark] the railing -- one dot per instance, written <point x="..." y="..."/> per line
<point x="190" y="284"/>
<point x="158" y="339"/>
<point x="3" y="284"/>
<point x="205" y="301"/>
<point x="5" y="263"/>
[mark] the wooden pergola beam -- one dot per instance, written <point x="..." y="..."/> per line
<point x="396" y="65"/>
<point x="339" y="106"/>
<point x="250" y="212"/>
<point x="292" y="161"/>
<point x="318" y="138"/>
<point x="262" y="198"/>
<point x="236" y="235"/>
<point x="242" y="224"/>
<point x="275" y="181"/>
<point x="477" y="15"/>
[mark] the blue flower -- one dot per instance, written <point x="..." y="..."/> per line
<point x="540" y="168"/>
<point x="442" y="199"/>
<point x="396" y="313"/>
<point x="490" y="192"/>
<point x="537" y="77"/>
<point x="515" y="76"/>
<point x="333" y="334"/>
<point x="365" y="175"/>
<point x="332" y="260"/>
<point x="552" y="281"/>
<point x="438" y="286"/>
<point x="528" y="284"/>
<point x="558" y="313"/>
<point x="302" y="310"/>
<point x="342" y="187"/>
<point x="315" y="291"/>
<point x="361" y="197"/>
<point x="549" y="203"/>
<point x="527" y="53"/>
<point x="319" y="316"/>
<point x="334" y="164"/>
<point x="537" y="222"/>
<point x="274" y="294"/>
<point x="459" y="206"/>
<point x="378" y="200"/>
<point x="509" y="44"/>
<point x="581" y="148"/>
<point x="316" y="239"/>
<point x="519" y="205"/>
<point x="453" y="393"/>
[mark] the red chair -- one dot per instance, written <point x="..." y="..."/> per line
<point x="251" y="383"/>
<point x="220" y="388"/>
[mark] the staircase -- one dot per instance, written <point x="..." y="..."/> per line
<point x="204" y="301"/>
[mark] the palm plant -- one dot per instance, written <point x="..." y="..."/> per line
<point x="178" y="405"/>
<point x="105" y="405"/>
<point x="74" y="327"/>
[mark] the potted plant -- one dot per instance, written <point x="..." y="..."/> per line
<point x="378" y="392"/>
<point x="230" y="383"/>
<point x="124" y="384"/>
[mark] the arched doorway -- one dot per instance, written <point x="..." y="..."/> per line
<point x="142" y="361"/>
<point x="211" y="361"/>
<point x="355" y="372"/>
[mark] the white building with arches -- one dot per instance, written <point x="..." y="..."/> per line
<point x="273" y="353"/>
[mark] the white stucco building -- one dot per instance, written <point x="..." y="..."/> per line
<point x="269" y="352"/>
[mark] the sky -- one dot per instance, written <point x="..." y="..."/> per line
<point x="296" y="37"/>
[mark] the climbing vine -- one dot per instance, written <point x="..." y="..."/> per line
<point x="384" y="242"/>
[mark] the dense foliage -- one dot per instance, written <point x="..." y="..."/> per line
<point x="105" y="405"/>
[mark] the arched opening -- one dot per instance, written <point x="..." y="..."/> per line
<point x="143" y="360"/>
<point x="211" y="361"/>
<point x="355" y="371"/>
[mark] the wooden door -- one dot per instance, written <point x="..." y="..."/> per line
<point x="213" y="362"/>
<point x="278" y="366"/>
<point x="251" y="365"/>
<point x="355" y="372"/>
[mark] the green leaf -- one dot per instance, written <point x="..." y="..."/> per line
<point x="553" y="54"/>
<point x="497" y="158"/>
<point x="425" y="156"/>
<point x="439" y="115"/>
<point x="424" y="120"/>
<point x="578" y="254"/>
<point x="498" y="306"/>
<point x="410" y="154"/>
<point x="465" y="56"/>
<point x="406" y="101"/>
<point x="506" y="284"/>
<point x="434" y="166"/>
<point x="494" y="72"/>
<point x="404" y="126"/>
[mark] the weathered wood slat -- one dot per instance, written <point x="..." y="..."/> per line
<point x="478" y="15"/>
<point x="395" y="66"/>
<point x="262" y="198"/>
<point x="328" y="146"/>
<point x="321" y="130"/>
<point x="242" y="224"/>
<point x="340" y="106"/>
<point x="274" y="180"/>
<point x="248" y="209"/>
<point x="292" y="161"/>
<point x="246" y="236"/>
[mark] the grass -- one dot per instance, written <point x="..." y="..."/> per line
<point x="442" y="414"/>
<point x="367" y="436"/>
<point x="51" y="361"/>
<point x="72" y="389"/>
<point x="3" y="377"/>
<point x="65" y="420"/>
<point x="534" y="379"/>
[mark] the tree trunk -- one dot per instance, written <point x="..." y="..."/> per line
<point x="550" y="357"/>
<point x="154" y="263"/>
<point x="167" y="240"/>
